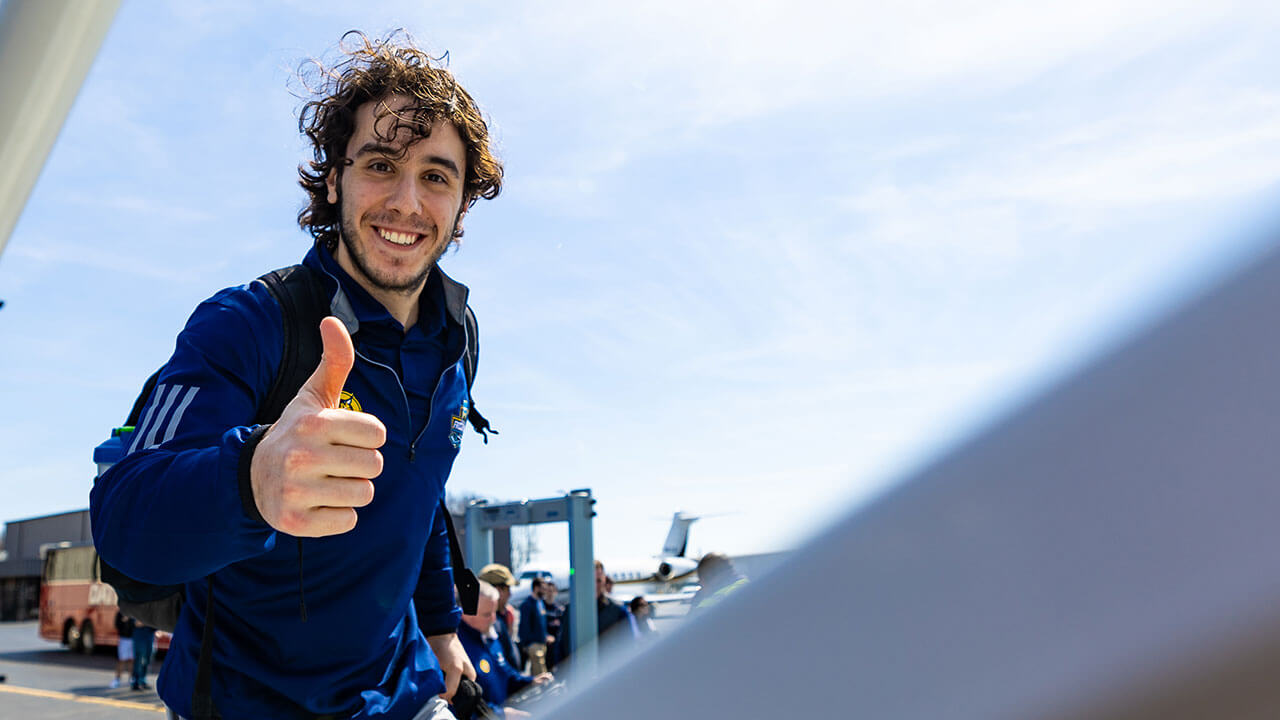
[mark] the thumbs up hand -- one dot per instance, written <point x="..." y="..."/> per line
<point x="315" y="464"/>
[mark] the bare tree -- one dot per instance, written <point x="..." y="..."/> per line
<point x="524" y="545"/>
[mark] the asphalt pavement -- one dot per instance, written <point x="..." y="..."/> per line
<point x="44" y="680"/>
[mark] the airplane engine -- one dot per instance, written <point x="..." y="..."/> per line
<point x="664" y="571"/>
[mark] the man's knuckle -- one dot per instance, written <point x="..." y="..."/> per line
<point x="291" y="521"/>
<point x="310" y="424"/>
<point x="298" y="458"/>
<point x="292" y="494"/>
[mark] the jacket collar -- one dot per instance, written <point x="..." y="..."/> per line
<point x="345" y="289"/>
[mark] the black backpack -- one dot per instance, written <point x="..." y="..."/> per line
<point x="303" y="304"/>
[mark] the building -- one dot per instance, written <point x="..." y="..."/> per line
<point x="23" y="556"/>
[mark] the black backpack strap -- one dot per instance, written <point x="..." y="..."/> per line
<point x="470" y="360"/>
<point x="463" y="579"/>
<point x="147" y="388"/>
<point x="202" y="695"/>
<point x="303" y="304"/>
<point x="300" y="294"/>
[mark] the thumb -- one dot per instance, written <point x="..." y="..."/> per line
<point x="325" y="384"/>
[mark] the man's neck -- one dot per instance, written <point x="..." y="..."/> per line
<point x="402" y="306"/>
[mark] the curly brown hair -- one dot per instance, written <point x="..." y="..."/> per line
<point x="373" y="70"/>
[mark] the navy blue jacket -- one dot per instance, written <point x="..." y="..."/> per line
<point x="533" y="621"/>
<point x="504" y="639"/>
<point x="174" y="510"/>
<point x="494" y="674"/>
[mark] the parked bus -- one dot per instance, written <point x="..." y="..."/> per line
<point x="77" y="609"/>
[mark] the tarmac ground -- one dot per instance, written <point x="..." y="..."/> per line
<point x="45" y="680"/>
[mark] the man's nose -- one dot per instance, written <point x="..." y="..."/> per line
<point x="406" y="197"/>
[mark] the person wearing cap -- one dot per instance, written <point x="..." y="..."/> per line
<point x="500" y="577"/>
<point x="495" y="676"/>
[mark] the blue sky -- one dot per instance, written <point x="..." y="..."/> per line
<point x="754" y="260"/>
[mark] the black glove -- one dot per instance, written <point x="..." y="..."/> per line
<point x="468" y="702"/>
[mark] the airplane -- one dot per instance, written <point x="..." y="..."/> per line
<point x="668" y="577"/>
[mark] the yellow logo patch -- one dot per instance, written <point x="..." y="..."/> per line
<point x="484" y="665"/>
<point x="349" y="402"/>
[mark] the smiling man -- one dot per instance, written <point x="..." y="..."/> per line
<point x="313" y="549"/>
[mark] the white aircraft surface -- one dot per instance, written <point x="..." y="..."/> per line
<point x="668" y="577"/>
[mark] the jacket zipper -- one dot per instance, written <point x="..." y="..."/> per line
<point x="404" y="394"/>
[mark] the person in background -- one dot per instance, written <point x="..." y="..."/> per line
<point x="144" y="641"/>
<point x="495" y="676"/>
<point x="718" y="578"/>
<point x="555" y="618"/>
<point x="533" y="629"/>
<point x="641" y="620"/>
<point x="609" y="613"/>
<point x="124" y="648"/>
<point x="500" y="577"/>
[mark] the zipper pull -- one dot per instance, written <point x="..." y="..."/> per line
<point x="412" y="451"/>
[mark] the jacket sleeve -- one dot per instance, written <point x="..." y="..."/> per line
<point x="438" y="611"/>
<point x="171" y="510"/>
<point x="516" y="680"/>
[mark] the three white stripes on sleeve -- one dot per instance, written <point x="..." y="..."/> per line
<point x="161" y="406"/>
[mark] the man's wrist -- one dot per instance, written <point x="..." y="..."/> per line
<point x="244" y="473"/>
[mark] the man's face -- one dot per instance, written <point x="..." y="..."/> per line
<point x="600" y="577"/>
<point x="486" y="613"/>
<point x="399" y="207"/>
<point x="504" y="595"/>
<point x="549" y="592"/>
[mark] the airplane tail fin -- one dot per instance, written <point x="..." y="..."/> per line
<point x="678" y="536"/>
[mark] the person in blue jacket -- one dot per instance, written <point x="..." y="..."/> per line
<point x="533" y="628"/>
<point x="500" y="577"/>
<point x="495" y="676"/>
<point x="319" y="537"/>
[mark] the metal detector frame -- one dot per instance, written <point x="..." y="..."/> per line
<point x="575" y="508"/>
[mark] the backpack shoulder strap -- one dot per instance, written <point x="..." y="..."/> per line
<point x="472" y="357"/>
<point x="147" y="388"/>
<point x="470" y="361"/>
<point x="464" y="580"/>
<point x="300" y="294"/>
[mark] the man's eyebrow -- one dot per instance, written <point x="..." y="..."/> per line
<point x="377" y="148"/>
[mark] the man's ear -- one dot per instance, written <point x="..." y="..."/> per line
<point x="457" y="223"/>
<point x="332" y="182"/>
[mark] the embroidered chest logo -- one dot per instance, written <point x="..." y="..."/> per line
<point x="484" y="665"/>
<point x="459" y="421"/>
<point x="349" y="402"/>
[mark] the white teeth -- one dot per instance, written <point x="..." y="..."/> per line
<point x="398" y="238"/>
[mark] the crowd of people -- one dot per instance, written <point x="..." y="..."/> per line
<point x="507" y="662"/>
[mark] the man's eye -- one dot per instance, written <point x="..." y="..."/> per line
<point x="380" y="166"/>
<point x="435" y="177"/>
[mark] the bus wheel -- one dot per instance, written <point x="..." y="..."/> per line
<point x="88" y="641"/>
<point x="69" y="633"/>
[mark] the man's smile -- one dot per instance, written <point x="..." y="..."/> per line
<point x="398" y="237"/>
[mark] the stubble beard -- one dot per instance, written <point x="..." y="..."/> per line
<point x="384" y="281"/>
